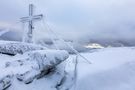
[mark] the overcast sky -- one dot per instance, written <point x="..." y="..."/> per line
<point x="77" y="18"/>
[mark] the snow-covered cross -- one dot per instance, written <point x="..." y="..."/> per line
<point x="29" y="35"/>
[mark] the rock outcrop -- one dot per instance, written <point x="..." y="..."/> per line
<point x="34" y="62"/>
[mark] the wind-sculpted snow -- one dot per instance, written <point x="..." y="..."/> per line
<point x="33" y="65"/>
<point x="13" y="48"/>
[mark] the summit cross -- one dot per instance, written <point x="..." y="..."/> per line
<point x="30" y="19"/>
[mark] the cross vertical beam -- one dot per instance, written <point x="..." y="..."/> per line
<point x="30" y="19"/>
<point x="30" y="40"/>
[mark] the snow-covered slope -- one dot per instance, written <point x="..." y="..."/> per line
<point x="111" y="69"/>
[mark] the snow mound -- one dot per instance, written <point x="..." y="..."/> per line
<point x="13" y="48"/>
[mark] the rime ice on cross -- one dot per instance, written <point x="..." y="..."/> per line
<point x="29" y="35"/>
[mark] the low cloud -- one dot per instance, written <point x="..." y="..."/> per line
<point x="81" y="20"/>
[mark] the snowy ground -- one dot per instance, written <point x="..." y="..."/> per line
<point x="111" y="69"/>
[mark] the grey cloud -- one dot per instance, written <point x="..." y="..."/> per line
<point x="83" y="20"/>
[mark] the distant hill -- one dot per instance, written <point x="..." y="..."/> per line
<point x="12" y="35"/>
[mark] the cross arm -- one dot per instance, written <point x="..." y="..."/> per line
<point x="32" y="18"/>
<point x="25" y="19"/>
<point x="37" y="17"/>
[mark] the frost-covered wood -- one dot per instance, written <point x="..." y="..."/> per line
<point x="13" y="48"/>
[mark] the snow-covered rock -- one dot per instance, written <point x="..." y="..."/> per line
<point x="13" y="48"/>
<point x="28" y="76"/>
<point x="31" y="62"/>
<point x="48" y="58"/>
<point x="35" y="64"/>
<point x="5" y="82"/>
<point x="46" y="61"/>
<point x="5" y="79"/>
